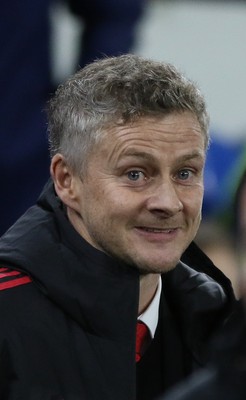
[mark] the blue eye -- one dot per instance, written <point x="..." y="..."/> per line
<point x="135" y="175"/>
<point x="184" y="174"/>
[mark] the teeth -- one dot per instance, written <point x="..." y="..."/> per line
<point x="157" y="230"/>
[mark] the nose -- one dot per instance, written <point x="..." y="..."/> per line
<point x="164" y="199"/>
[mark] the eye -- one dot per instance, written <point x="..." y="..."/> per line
<point x="135" y="175"/>
<point x="184" y="174"/>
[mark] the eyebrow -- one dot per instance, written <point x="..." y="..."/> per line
<point x="195" y="154"/>
<point x="139" y="154"/>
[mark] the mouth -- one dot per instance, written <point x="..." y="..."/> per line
<point x="157" y="235"/>
<point x="156" y="230"/>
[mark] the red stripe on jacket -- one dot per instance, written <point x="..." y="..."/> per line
<point x="16" y="278"/>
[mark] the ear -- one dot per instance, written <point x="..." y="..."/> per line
<point x="65" y="181"/>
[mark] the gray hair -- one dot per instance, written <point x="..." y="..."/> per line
<point x="113" y="91"/>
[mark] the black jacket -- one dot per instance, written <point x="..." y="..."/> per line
<point x="225" y="377"/>
<point x="69" y="333"/>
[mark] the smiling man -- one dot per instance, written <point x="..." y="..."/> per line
<point x="110" y="243"/>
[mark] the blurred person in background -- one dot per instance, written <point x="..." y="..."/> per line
<point x="218" y="232"/>
<point x="26" y="83"/>
<point x="109" y="26"/>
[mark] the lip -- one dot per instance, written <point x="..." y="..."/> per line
<point x="157" y="234"/>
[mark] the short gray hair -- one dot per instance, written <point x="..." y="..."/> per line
<point x="113" y="91"/>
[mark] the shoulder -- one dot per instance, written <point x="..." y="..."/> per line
<point x="17" y="294"/>
<point x="23" y="305"/>
<point x="10" y="278"/>
<point x="17" y="299"/>
<point x="20" y="297"/>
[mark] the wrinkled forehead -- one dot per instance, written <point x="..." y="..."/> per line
<point x="173" y="124"/>
<point x="147" y="138"/>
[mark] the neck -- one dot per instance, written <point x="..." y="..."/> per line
<point x="148" y="286"/>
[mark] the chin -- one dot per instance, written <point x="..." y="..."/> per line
<point x="155" y="267"/>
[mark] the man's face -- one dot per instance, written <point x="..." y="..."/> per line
<point x="140" y="199"/>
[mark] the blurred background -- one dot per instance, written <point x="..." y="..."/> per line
<point x="44" y="41"/>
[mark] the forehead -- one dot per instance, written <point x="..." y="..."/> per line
<point x="175" y="131"/>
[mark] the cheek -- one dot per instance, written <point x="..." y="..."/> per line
<point x="118" y="198"/>
<point x="106" y="203"/>
<point x="193" y="203"/>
